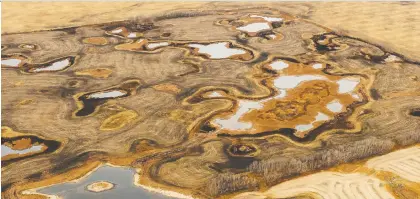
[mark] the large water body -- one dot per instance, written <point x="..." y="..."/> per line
<point x="121" y="177"/>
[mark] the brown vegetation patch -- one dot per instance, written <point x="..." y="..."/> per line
<point x="96" y="40"/>
<point x="97" y="72"/>
<point x="20" y="144"/>
<point x="119" y="120"/>
<point x="171" y="88"/>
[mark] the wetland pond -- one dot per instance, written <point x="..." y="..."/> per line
<point x="5" y="150"/>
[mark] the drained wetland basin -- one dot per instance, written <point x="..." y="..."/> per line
<point x="227" y="102"/>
